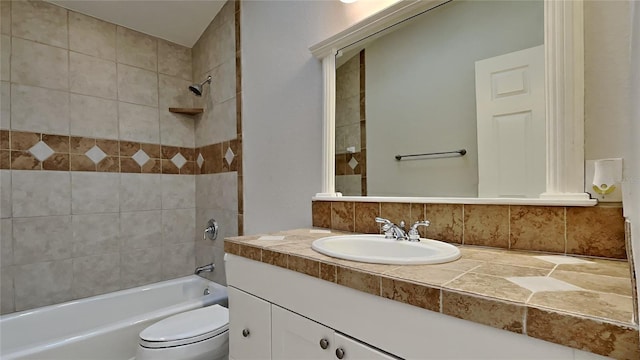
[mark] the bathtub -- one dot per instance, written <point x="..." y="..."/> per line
<point x="104" y="326"/>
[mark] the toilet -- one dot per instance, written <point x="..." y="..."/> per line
<point x="200" y="334"/>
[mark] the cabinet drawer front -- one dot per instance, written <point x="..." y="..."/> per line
<point x="297" y="338"/>
<point x="355" y="350"/>
<point x="249" y="326"/>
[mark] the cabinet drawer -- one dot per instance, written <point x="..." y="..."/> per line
<point x="249" y="326"/>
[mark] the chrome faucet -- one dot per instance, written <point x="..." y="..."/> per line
<point x="398" y="232"/>
<point x="203" y="268"/>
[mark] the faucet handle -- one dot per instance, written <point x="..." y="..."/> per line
<point x="414" y="235"/>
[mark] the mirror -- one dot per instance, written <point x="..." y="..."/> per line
<point x="563" y="69"/>
<point x="413" y="90"/>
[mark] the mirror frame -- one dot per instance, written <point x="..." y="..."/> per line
<point x="564" y="95"/>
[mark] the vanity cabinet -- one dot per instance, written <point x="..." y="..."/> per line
<point x="260" y="330"/>
<point x="296" y="337"/>
<point x="249" y="326"/>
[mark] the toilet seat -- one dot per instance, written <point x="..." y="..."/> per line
<point x="186" y="328"/>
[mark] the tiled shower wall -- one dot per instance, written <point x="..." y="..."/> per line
<point x="218" y="131"/>
<point x="350" y="127"/>
<point x="94" y="195"/>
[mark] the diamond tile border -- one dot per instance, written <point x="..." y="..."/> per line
<point x="37" y="151"/>
<point x="543" y="283"/>
<point x="41" y="151"/>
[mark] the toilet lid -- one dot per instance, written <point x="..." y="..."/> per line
<point x="186" y="327"/>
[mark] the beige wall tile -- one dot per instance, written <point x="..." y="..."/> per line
<point x="5" y="194"/>
<point x="5" y="17"/>
<point x="486" y="225"/>
<point x="95" y="234"/>
<point x="95" y="275"/>
<point x="39" y="110"/>
<point x="41" y="239"/>
<point x="537" y="228"/>
<point x="7" y="304"/>
<point x="178" y="260"/>
<point x="178" y="192"/>
<point x="178" y="226"/>
<point x="175" y="129"/>
<point x="487" y="312"/>
<point x="137" y="86"/>
<point x="6" y="242"/>
<point x="5" y="105"/>
<point x="446" y="222"/>
<point x="141" y="230"/>
<point x="39" y="65"/>
<point x="91" y="36"/>
<point x="217" y="123"/>
<point x="596" y="231"/>
<point x="138" y="123"/>
<point x="92" y="76"/>
<point x="174" y="60"/>
<point x="39" y="21"/>
<point x="224" y="44"/>
<point x="141" y="267"/>
<point x="93" y="117"/>
<point x="223" y="83"/>
<point x="396" y="212"/>
<point x="585" y="334"/>
<point x="140" y="192"/>
<point x="30" y="198"/>
<point x="5" y="64"/>
<point x="137" y="49"/>
<point x="93" y="193"/>
<point x="43" y="284"/>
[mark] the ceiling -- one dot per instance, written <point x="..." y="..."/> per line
<point x="178" y="21"/>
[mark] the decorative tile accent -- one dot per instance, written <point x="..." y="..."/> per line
<point x="596" y="231"/>
<point x="95" y="154"/>
<point x="228" y="156"/>
<point x="558" y="259"/>
<point x="178" y="160"/>
<point x="538" y="228"/>
<point x="200" y="160"/>
<point x="140" y="157"/>
<point x="353" y="163"/>
<point x="542" y="283"/>
<point x="41" y="151"/>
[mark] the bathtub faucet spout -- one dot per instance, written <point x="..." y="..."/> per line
<point x="207" y="268"/>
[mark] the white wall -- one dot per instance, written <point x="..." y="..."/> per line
<point x="282" y="105"/>
<point x="632" y="154"/>
<point x="420" y="93"/>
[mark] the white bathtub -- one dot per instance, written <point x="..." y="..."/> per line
<point x="104" y="326"/>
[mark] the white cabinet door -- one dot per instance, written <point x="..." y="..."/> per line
<point x="296" y="337"/>
<point x="249" y="326"/>
<point x="350" y="349"/>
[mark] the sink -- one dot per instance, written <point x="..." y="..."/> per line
<point x="378" y="250"/>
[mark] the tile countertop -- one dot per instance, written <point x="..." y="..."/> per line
<point x="583" y="303"/>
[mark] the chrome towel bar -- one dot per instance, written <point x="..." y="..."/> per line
<point x="460" y="152"/>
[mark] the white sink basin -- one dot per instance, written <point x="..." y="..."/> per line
<point x="378" y="250"/>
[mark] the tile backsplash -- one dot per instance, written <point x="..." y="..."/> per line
<point x="590" y="231"/>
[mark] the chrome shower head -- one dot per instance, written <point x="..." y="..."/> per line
<point x="197" y="88"/>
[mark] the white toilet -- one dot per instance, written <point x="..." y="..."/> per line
<point x="201" y="334"/>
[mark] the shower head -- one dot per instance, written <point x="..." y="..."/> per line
<point x="197" y="88"/>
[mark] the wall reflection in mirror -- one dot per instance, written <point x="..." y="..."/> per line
<point x="465" y="75"/>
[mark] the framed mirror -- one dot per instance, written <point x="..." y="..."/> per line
<point x="396" y="67"/>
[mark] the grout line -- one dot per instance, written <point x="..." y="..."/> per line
<point x="509" y="227"/>
<point x="461" y="275"/>
<point x="552" y="270"/>
<point x="565" y="228"/>
<point x="463" y="227"/>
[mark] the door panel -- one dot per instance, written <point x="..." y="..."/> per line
<point x="296" y="337"/>
<point x="249" y="326"/>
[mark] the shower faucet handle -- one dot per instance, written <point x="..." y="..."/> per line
<point x="211" y="231"/>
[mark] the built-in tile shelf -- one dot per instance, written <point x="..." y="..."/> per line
<point x="186" y="111"/>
